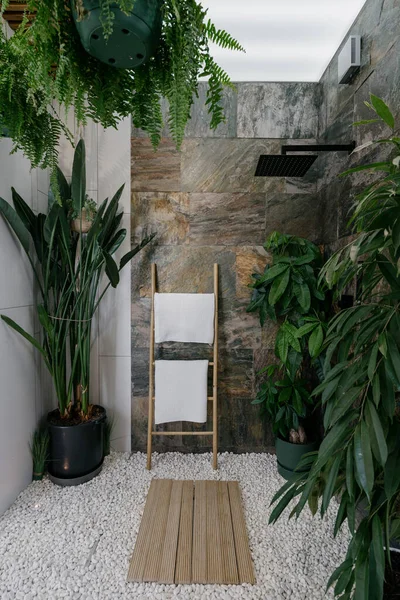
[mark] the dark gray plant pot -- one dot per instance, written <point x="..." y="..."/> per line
<point x="76" y="451"/>
<point x="288" y="455"/>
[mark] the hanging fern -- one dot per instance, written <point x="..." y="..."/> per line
<point x="45" y="65"/>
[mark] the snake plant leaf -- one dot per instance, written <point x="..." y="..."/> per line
<point x="24" y="212"/>
<point x="382" y="110"/>
<point x="116" y="241"/>
<point x="28" y="337"/>
<point x="129" y="255"/>
<point x="16" y="224"/>
<point x="112" y="271"/>
<point x="363" y="458"/>
<point x="378" y="440"/>
<point x="51" y="222"/>
<point x="78" y="181"/>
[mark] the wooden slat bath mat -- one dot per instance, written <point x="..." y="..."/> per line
<point x="192" y="532"/>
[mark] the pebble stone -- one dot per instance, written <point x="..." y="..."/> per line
<point x="75" y="543"/>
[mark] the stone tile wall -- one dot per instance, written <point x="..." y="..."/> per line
<point x="379" y="26"/>
<point x="207" y="206"/>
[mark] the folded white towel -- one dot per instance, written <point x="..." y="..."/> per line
<point x="180" y="391"/>
<point x="184" y="318"/>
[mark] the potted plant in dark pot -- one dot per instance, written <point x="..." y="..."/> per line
<point x="288" y="294"/>
<point x="68" y="266"/>
<point x="358" y="460"/>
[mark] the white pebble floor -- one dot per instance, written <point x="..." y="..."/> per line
<point x="76" y="542"/>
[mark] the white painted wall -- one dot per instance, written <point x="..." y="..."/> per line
<point x="19" y="407"/>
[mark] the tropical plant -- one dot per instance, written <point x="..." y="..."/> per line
<point x="44" y="66"/>
<point x="360" y="455"/>
<point x="68" y="267"/>
<point x="288" y="293"/>
<point x="39" y="448"/>
<point x="284" y="401"/>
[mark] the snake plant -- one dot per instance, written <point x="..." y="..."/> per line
<point x="68" y="267"/>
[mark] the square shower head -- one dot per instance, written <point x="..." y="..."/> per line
<point x="284" y="165"/>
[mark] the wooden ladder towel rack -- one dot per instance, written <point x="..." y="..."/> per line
<point x="214" y="364"/>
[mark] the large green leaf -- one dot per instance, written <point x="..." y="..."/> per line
<point x="363" y="458"/>
<point x="333" y="441"/>
<point x="394" y="356"/>
<point x="302" y="292"/>
<point x="111" y="269"/>
<point x="362" y="580"/>
<point x="392" y="476"/>
<point x="378" y="440"/>
<point x="315" y="341"/>
<point x="330" y="483"/>
<point x="16" y="224"/>
<point x="382" y="110"/>
<point x="27" y="336"/>
<point x="273" y="272"/>
<point x="372" y="361"/>
<point x="129" y="255"/>
<point x="24" y="211"/>
<point x="278" y="287"/>
<point x="377" y="559"/>
<point x="344" y="566"/>
<point x="78" y="181"/>
<point x="350" y="471"/>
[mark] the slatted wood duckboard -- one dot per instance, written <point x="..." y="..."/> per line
<point x="192" y="532"/>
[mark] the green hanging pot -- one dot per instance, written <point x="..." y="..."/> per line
<point x="134" y="38"/>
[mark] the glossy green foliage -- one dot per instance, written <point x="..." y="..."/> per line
<point x="360" y="455"/>
<point x="45" y="67"/>
<point x="68" y="266"/>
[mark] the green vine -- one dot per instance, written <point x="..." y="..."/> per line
<point x="44" y="66"/>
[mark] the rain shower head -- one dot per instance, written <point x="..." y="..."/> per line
<point x="288" y="165"/>
<point x="281" y="165"/>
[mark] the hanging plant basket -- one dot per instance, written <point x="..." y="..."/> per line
<point x="83" y="223"/>
<point x="134" y="37"/>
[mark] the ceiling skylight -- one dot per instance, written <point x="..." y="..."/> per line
<point x="285" y="40"/>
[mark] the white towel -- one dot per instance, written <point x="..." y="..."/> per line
<point x="180" y="391"/>
<point x="184" y="318"/>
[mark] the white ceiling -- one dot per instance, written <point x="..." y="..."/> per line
<point x="285" y="40"/>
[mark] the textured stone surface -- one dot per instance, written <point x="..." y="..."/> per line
<point x="379" y="26"/>
<point x="184" y="269"/>
<point x="249" y="259"/>
<point x="224" y="165"/>
<point x="278" y="110"/>
<point x="296" y="214"/>
<point x="227" y="219"/>
<point x="155" y="171"/>
<point x="199" y="123"/>
<point x="164" y="213"/>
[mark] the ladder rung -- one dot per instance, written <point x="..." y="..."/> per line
<point x="182" y="433"/>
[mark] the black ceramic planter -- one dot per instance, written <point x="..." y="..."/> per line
<point x="288" y="455"/>
<point x="76" y="451"/>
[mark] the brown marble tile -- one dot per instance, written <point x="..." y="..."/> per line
<point x="166" y="213"/>
<point x="227" y="219"/>
<point x="155" y="170"/>
<point x="237" y="328"/>
<point x="249" y="259"/>
<point x="296" y="214"/>
<point x="184" y="269"/>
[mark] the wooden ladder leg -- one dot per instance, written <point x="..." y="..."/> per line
<point x="151" y="371"/>
<point x="215" y="373"/>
